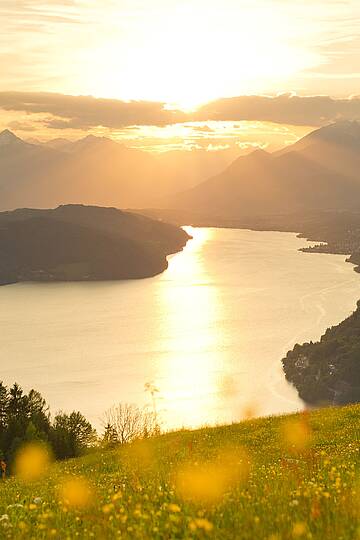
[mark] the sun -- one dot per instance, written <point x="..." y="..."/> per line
<point x="187" y="57"/>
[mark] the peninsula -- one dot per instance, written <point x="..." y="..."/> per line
<point x="84" y="243"/>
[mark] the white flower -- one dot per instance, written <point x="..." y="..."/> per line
<point x="38" y="500"/>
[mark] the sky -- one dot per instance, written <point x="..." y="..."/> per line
<point x="164" y="74"/>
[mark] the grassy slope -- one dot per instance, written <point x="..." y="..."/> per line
<point x="288" y="494"/>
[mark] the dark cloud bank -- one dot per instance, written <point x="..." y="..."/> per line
<point x="84" y="112"/>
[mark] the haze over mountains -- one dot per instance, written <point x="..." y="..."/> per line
<point x="95" y="170"/>
<point x="319" y="172"/>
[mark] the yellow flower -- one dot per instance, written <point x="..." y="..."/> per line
<point x="76" y="492"/>
<point x="32" y="461"/>
<point x="174" y="508"/>
<point x="299" y="529"/>
<point x="201" y="523"/>
<point x="206" y="483"/>
<point x="297" y="434"/>
<point x="107" y="508"/>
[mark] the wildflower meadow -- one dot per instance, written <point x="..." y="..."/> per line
<point x="277" y="478"/>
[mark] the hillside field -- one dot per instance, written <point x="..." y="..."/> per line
<point x="278" y="478"/>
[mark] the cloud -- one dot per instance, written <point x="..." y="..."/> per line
<point x="22" y="126"/>
<point x="282" y="109"/>
<point x="85" y="112"/>
<point x="24" y="15"/>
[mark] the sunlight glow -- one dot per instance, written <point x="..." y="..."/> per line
<point x="180" y="56"/>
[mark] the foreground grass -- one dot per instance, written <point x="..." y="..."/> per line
<point x="275" y="478"/>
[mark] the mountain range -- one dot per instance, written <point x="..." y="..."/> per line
<point x="95" y="170"/>
<point x="319" y="172"/>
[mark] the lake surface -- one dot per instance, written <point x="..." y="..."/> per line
<point x="209" y="332"/>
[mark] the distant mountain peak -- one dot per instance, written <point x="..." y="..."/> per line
<point x="259" y="153"/>
<point x="344" y="123"/>
<point x="8" y="137"/>
<point x="348" y="126"/>
<point x="95" y="139"/>
<point x="342" y="134"/>
<point x="340" y="131"/>
<point x="91" y="138"/>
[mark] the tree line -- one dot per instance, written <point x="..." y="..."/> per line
<point x="25" y="418"/>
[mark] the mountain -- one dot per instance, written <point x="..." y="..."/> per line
<point x="345" y="133"/>
<point x="57" y="144"/>
<point x="79" y="243"/>
<point x="21" y="164"/>
<point x="7" y="138"/>
<point x="95" y="170"/>
<point x="319" y="172"/>
<point x="336" y="146"/>
<point x="91" y="171"/>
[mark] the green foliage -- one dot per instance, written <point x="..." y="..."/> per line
<point x="71" y="435"/>
<point x="328" y="371"/>
<point x="25" y="418"/>
<point x="110" y="438"/>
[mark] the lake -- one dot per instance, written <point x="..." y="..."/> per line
<point x="209" y="332"/>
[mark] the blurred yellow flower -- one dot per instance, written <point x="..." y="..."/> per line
<point x="202" y="483"/>
<point x="297" y="434"/>
<point x="299" y="529"/>
<point x="76" y="492"/>
<point x="201" y="523"/>
<point x="107" y="508"/>
<point x="173" y="508"/>
<point x="207" y="482"/>
<point x="32" y="461"/>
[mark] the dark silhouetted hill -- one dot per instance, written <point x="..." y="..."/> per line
<point x="79" y="243"/>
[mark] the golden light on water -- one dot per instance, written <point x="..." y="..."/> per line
<point x="189" y="374"/>
<point x="200" y="376"/>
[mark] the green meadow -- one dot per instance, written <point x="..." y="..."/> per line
<point x="275" y="478"/>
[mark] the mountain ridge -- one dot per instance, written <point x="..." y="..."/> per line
<point x="95" y="171"/>
<point x="309" y="175"/>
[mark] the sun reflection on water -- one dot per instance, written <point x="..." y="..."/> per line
<point x="188" y="372"/>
